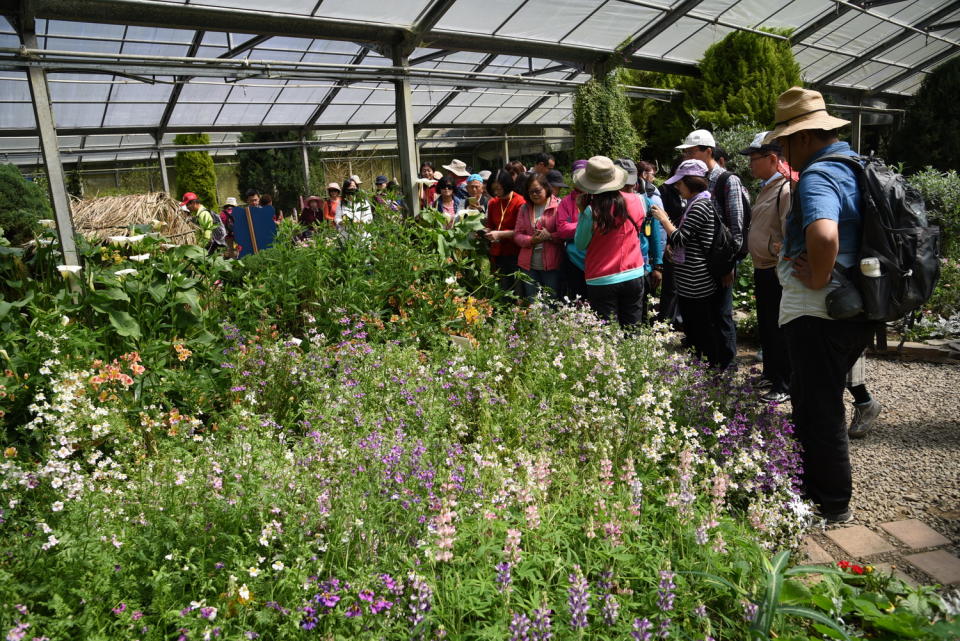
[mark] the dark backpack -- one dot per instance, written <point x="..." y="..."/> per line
<point x="720" y="198"/>
<point x="723" y="252"/>
<point x="894" y="230"/>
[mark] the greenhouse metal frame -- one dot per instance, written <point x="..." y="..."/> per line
<point x="81" y="78"/>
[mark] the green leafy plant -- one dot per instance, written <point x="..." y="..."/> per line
<point x="741" y="77"/>
<point x="22" y="204"/>
<point x="195" y="170"/>
<point x="930" y="133"/>
<point x="277" y="171"/>
<point x="601" y="119"/>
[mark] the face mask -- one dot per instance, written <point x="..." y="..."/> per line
<point x="350" y="192"/>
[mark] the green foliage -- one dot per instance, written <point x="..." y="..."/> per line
<point x="195" y="170"/>
<point x="278" y="172"/>
<point x="941" y="193"/>
<point x="661" y="125"/>
<point x="733" y="139"/>
<point x="741" y="77"/>
<point x="22" y="204"/>
<point x="601" y="120"/>
<point x="930" y="134"/>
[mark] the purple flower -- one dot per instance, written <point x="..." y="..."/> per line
<point x="519" y="627"/>
<point x="665" y="628"/>
<point x="366" y="595"/>
<point x="309" y="621"/>
<point x="641" y="630"/>
<point x="380" y="605"/>
<point x="578" y="599"/>
<point x="750" y="611"/>
<point x="353" y="611"/>
<point x="610" y="610"/>
<point x="208" y="613"/>
<point x="542" y="625"/>
<point x="421" y="597"/>
<point x="120" y="609"/>
<point x="504" y="579"/>
<point x="666" y="595"/>
<point x="136" y="615"/>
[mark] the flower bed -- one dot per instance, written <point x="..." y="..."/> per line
<point x="552" y="478"/>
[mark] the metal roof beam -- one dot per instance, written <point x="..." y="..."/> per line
<point x="266" y="23"/>
<point x="178" y="88"/>
<point x="253" y="42"/>
<point x="944" y="26"/>
<point x="427" y="57"/>
<point x="903" y="75"/>
<point x="887" y="44"/>
<point x="453" y="94"/>
<point x="536" y="105"/>
<point x="545" y="70"/>
<point x="801" y="34"/>
<point x="333" y="92"/>
<point x="657" y="27"/>
<point x="180" y="16"/>
<point x="430" y="16"/>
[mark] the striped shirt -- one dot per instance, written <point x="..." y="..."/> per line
<point x="695" y="235"/>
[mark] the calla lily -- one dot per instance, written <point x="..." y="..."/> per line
<point x="49" y="223"/>
<point x="125" y="272"/>
<point x="67" y="270"/>
<point x="118" y="240"/>
<point x="135" y="239"/>
<point x="139" y="258"/>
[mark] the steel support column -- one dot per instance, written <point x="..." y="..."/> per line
<point x="856" y="131"/>
<point x="506" y="149"/>
<point x="163" y="170"/>
<point x="306" y="166"/>
<point x="47" y="130"/>
<point x="406" y="139"/>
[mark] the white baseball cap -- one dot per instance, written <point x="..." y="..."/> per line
<point x="698" y="138"/>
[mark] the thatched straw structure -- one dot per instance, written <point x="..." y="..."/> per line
<point x="98" y="218"/>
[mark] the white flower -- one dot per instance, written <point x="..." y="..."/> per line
<point x="67" y="270"/>
<point x="49" y="223"/>
<point x="244" y="592"/>
<point x="51" y="541"/>
<point x="296" y="341"/>
<point x="125" y="272"/>
<point x="135" y="239"/>
<point x="139" y="258"/>
<point x="57" y="506"/>
<point x="118" y="240"/>
<point x="278" y="566"/>
<point x="64" y="320"/>
<point x="254" y="571"/>
<point x="450" y="280"/>
<point x="169" y="557"/>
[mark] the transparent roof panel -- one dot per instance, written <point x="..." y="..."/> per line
<point x="611" y="24"/>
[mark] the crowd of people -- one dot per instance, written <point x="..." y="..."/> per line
<point x="613" y="237"/>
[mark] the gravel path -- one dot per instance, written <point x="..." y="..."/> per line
<point x="908" y="466"/>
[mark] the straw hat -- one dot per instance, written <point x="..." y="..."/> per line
<point x="799" y="109"/>
<point x="599" y="175"/>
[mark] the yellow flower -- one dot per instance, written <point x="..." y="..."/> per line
<point x="10" y="452"/>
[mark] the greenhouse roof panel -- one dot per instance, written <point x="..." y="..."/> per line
<point x="506" y="45"/>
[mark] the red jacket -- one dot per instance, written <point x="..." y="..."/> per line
<point x="552" y="249"/>
<point x="502" y="216"/>
<point x="567" y="216"/>
<point x="618" y="250"/>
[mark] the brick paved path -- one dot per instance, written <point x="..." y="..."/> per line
<point x="908" y="548"/>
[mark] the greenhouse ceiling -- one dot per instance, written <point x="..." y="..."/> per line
<point x="120" y="71"/>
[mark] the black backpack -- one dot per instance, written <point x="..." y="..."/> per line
<point x="896" y="232"/>
<point x="720" y="198"/>
<point x="723" y="252"/>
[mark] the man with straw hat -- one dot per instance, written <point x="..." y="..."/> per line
<point x="822" y="229"/>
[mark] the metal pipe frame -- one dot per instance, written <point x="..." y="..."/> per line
<point x="406" y="137"/>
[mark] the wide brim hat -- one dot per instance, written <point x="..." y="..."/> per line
<point x="457" y="167"/>
<point x="333" y="186"/>
<point x="799" y="109"/>
<point x="312" y="198"/>
<point x="600" y="175"/>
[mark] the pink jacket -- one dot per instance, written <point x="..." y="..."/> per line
<point x="567" y="216"/>
<point x="618" y="250"/>
<point x="552" y="249"/>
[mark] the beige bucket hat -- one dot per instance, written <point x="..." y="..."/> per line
<point x="799" y="109"/>
<point x="457" y="167"/>
<point x="599" y="175"/>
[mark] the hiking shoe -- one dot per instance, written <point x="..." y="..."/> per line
<point x="839" y="518"/>
<point x="775" y="397"/>
<point x="863" y="416"/>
